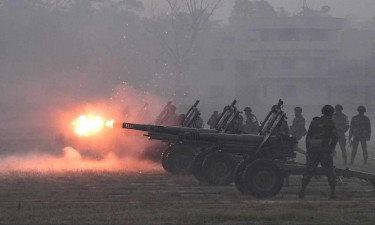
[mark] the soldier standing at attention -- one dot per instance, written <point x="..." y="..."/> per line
<point x="251" y="125"/>
<point x="360" y="131"/>
<point x="342" y="126"/>
<point x="213" y="119"/>
<point x="298" y="128"/>
<point x="321" y="139"/>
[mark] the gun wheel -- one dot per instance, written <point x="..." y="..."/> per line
<point x="263" y="178"/>
<point x="372" y="182"/>
<point x="197" y="170"/>
<point x="179" y="160"/>
<point x="219" y="168"/>
<point x="164" y="158"/>
<point x="238" y="174"/>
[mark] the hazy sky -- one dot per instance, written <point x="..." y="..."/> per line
<point x="363" y="9"/>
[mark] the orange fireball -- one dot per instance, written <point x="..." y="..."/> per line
<point x="87" y="125"/>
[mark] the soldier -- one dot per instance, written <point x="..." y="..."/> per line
<point x="236" y="126"/>
<point x="360" y="131"/>
<point x="198" y="123"/>
<point x="172" y="118"/>
<point x="342" y="126"/>
<point x="213" y="119"/>
<point x="251" y="124"/>
<point x="298" y="128"/>
<point x="321" y="139"/>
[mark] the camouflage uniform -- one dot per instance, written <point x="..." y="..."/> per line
<point x="342" y="125"/>
<point x="198" y="123"/>
<point x="251" y="125"/>
<point x="213" y="120"/>
<point x="283" y="129"/>
<point x="360" y="130"/>
<point x="236" y="126"/>
<point x="320" y="141"/>
<point x="298" y="129"/>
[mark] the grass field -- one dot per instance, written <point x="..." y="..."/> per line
<point x="160" y="198"/>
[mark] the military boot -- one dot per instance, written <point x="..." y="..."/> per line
<point x="301" y="194"/>
<point x="333" y="194"/>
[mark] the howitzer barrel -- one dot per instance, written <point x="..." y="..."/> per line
<point x="163" y="129"/>
<point x="222" y="137"/>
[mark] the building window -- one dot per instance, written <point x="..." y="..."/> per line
<point x="289" y="35"/>
<point x="288" y="91"/>
<point x="318" y="35"/>
<point x="217" y="64"/>
<point x="318" y="63"/>
<point x="264" y="63"/>
<point x="228" y="39"/>
<point x="245" y="67"/>
<point x="288" y="63"/>
<point x="265" y="35"/>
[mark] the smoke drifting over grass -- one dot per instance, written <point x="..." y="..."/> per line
<point x="72" y="160"/>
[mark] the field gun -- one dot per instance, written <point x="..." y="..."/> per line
<point x="265" y="158"/>
<point x="217" y="163"/>
<point x="178" y="157"/>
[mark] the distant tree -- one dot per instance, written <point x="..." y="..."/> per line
<point x="102" y="41"/>
<point x="244" y="10"/>
<point x="177" y="29"/>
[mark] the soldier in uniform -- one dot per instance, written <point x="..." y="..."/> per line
<point x="251" y="124"/>
<point x="342" y="126"/>
<point x="236" y="126"/>
<point x="213" y="119"/>
<point x="198" y="123"/>
<point x="321" y="139"/>
<point x="298" y="128"/>
<point x="360" y="131"/>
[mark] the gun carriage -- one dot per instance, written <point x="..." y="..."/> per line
<point x="178" y="157"/>
<point x="257" y="163"/>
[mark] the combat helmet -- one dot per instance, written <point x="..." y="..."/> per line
<point x="328" y="110"/>
<point x="298" y="109"/>
<point x="361" y="108"/>
<point x="247" y="109"/>
<point x="339" y="107"/>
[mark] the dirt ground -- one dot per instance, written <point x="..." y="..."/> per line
<point x="160" y="198"/>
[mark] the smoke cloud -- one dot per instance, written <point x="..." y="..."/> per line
<point x="73" y="160"/>
<point x="110" y="149"/>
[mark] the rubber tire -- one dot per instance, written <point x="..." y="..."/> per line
<point x="238" y="176"/>
<point x="210" y="166"/>
<point x="164" y="158"/>
<point x="197" y="169"/>
<point x="174" y="157"/>
<point x="372" y="182"/>
<point x="250" y="181"/>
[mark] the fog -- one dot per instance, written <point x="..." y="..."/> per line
<point x="62" y="59"/>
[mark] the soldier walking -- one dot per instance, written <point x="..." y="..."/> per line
<point x="298" y="128"/>
<point x="251" y="124"/>
<point x="360" y="131"/>
<point x="321" y="139"/>
<point x="213" y="119"/>
<point x="342" y="126"/>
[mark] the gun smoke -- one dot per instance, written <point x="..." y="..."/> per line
<point x="111" y="149"/>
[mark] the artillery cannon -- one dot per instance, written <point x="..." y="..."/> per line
<point x="178" y="157"/>
<point x="266" y="158"/>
